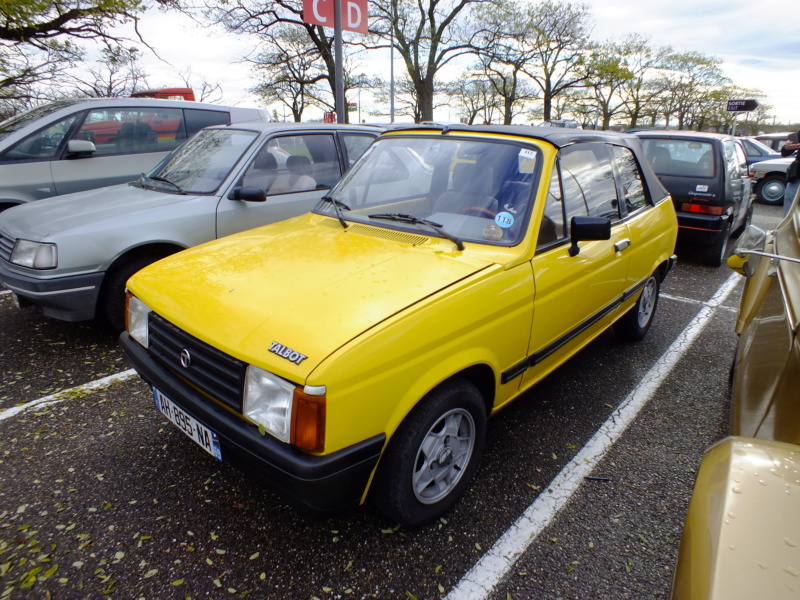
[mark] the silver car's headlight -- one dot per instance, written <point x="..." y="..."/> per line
<point x="34" y="255"/>
<point x="268" y="402"/>
<point x="137" y="317"/>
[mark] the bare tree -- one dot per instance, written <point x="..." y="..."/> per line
<point x="472" y="95"/>
<point x="117" y="74"/>
<point x="503" y="54"/>
<point x="606" y="74"/>
<point x="428" y="35"/>
<point x="558" y="34"/>
<point x="270" y="22"/>
<point x="691" y="78"/>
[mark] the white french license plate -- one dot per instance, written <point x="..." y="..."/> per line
<point x="202" y="435"/>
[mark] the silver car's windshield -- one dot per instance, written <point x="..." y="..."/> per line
<point x="473" y="190"/>
<point x="203" y="163"/>
<point x="19" y="121"/>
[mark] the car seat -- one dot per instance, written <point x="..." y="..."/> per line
<point x="469" y="193"/>
<point x="262" y="172"/>
<point x="298" y="179"/>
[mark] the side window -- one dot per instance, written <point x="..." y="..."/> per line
<point x="735" y="159"/>
<point x="552" y="228"/>
<point x="132" y="130"/>
<point x="587" y="169"/>
<point x="630" y="177"/>
<point x="197" y="119"/>
<point x="304" y="163"/>
<point x="354" y="146"/>
<point x="42" y="144"/>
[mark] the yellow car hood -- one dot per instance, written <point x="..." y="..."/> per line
<point x="306" y="284"/>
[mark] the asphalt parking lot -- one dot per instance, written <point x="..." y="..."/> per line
<point x="101" y="497"/>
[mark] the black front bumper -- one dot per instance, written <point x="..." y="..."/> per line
<point x="72" y="298"/>
<point x="318" y="484"/>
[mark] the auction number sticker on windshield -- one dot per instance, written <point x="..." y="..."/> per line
<point x="527" y="153"/>
<point x="504" y="219"/>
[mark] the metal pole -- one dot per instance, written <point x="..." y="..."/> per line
<point x="391" y="64"/>
<point x="338" y="62"/>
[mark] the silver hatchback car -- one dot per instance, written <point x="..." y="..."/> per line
<point x="71" y="256"/>
<point x="78" y="144"/>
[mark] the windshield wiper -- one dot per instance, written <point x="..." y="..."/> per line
<point x="165" y="180"/>
<point x="403" y="218"/>
<point x="338" y="205"/>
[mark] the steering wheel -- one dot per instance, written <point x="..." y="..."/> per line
<point x="479" y="211"/>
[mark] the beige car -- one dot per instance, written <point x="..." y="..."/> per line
<point x="742" y="533"/>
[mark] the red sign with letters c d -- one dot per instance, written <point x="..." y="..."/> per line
<point x="321" y="12"/>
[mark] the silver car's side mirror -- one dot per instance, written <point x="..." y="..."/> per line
<point x="78" y="148"/>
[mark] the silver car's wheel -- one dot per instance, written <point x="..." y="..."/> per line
<point x="770" y="190"/>
<point x="443" y="456"/>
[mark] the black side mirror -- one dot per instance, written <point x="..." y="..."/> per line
<point x="248" y="194"/>
<point x="588" y="228"/>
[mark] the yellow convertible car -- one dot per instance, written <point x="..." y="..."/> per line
<point x="358" y="350"/>
<point x="742" y="534"/>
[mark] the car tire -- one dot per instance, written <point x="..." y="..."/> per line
<point x="716" y="253"/>
<point x="770" y="189"/>
<point x="112" y="294"/>
<point x="635" y="323"/>
<point x="423" y="472"/>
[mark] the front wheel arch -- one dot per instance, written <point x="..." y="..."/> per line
<point x="429" y="461"/>
<point x="111" y="300"/>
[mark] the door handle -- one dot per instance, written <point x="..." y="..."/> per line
<point x="622" y="244"/>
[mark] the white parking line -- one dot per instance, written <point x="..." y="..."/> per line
<point x="67" y="394"/>
<point x="493" y="566"/>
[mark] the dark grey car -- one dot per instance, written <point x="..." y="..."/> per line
<point x="709" y="180"/>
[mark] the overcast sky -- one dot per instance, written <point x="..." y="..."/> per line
<point x="758" y="40"/>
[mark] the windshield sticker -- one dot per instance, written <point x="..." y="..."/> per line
<point x="525" y="153"/>
<point x="701" y="188"/>
<point x="287" y="353"/>
<point x="492" y="233"/>
<point x="504" y="219"/>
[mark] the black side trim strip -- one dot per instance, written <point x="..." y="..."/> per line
<point x="538" y="356"/>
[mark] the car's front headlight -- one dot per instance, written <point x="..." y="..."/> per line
<point x="268" y="402"/>
<point x="34" y="255"/>
<point x="293" y="414"/>
<point x="137" y="314"/>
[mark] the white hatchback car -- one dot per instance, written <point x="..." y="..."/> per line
<point x="79" y="144"/>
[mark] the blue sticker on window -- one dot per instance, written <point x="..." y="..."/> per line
<point x="504" y="219"/>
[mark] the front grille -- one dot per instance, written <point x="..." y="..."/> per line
<point x="214" y="372"/>
<point x="6" y="246"/>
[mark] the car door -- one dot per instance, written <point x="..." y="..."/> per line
<point x="576" y="296"/>
<point x="646" y="237"/>
<point x="294" y="171"/>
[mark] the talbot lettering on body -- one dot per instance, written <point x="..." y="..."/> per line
<point x="287" y="353"/>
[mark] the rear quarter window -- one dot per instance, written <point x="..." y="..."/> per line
<point x="197" y="119"/>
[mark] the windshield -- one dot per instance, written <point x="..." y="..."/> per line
<point x="203" y="163"/>
<point x="474" y="191"/>
<point x="683" y="158"/>
<point x="19" y="121"/>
